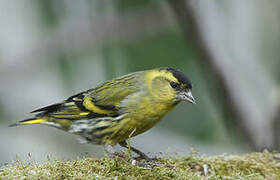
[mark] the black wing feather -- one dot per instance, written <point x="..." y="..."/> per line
<point x="49" y="109"/>
<point x="57" y="106"/>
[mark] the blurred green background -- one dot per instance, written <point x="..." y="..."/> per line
<point x="52" y="49"/>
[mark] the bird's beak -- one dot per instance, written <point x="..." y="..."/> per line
<point x="187" y="96"/>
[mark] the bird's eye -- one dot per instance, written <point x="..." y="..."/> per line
<point x="174" y="84"/>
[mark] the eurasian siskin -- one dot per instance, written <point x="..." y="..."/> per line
<point x="119" y="108"/>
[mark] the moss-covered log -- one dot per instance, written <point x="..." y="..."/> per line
<point x="251" y="166"/>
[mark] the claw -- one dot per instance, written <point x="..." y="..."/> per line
<point x="140" y="153"/>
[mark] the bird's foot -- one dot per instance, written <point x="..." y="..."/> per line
<point x="142" y="156"/>
<point x="120" y="155"/>
<point x="142" y="160"/>
<point x="145" y="157"/>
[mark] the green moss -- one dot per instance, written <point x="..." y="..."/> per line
<point x="251" y="166"/>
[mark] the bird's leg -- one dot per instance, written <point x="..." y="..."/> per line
<point x="110" y="150"/>
<point x="141" y="154"/>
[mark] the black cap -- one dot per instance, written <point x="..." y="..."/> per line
<point x="180" y="77"/>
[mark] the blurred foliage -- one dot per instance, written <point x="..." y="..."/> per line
<point x="1" y="111"/>
<point x="68" y="65"/>
<point x="163" y="49"/>
<point x="48" y="16"/>
<point x="127" y="5"/>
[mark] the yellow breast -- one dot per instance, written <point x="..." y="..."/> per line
<point x="139" y="118"/>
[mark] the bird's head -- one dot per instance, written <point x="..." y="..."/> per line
<point x="170" y="84"/>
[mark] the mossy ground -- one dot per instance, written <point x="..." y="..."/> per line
<point x="251" y="166"/>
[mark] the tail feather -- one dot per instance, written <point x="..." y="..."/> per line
<point x="28" y="121"/>
<point x="48" y="109"/>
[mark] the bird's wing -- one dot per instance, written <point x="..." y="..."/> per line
<point x="75" y="107"/>
<point x="102" y="101"/>
<point x="94" y="114"/>
<point x="110" y="94"/>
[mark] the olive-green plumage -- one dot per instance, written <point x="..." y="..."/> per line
<point x="119" y="108"/>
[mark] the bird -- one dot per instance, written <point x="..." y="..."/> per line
<point x="118" y="109"/>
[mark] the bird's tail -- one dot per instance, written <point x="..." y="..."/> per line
<point x="29" y="121"/>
